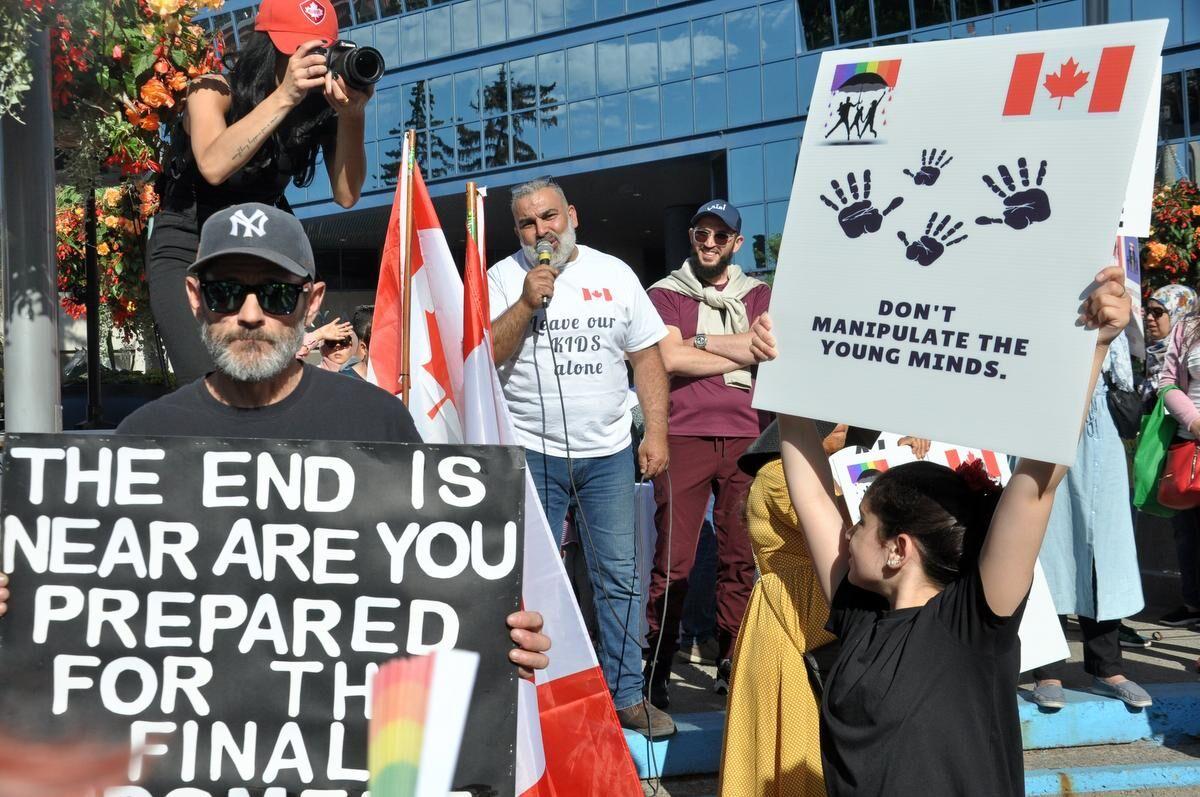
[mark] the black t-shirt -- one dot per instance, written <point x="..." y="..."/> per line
<point x="922" y="701"/>
<point x="324" y="406"/>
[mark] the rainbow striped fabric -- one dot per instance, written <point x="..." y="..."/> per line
<point x="888" y="70"/>
<point x="872" y="466"/>
<point x="399" y="698"/>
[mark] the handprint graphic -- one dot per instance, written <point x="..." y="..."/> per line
<point x="860" y="216"/>
<point x="1023" y="207"/>
<point x="932" y="164"/>
<point x="930" y="246"/>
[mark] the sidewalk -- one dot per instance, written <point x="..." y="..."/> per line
<point x="1075" y="767"/>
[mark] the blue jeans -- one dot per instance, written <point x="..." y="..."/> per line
<point x="603" y="503"/>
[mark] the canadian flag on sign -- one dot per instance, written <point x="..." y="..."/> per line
<point x="1050" y="85"/>
<point x="605" y="294"/>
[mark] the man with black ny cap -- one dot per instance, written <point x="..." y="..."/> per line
<point x="707" y="305"/>
<point x="252" y="288"/>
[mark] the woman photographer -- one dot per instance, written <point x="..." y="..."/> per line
<point x="244" y="137"/>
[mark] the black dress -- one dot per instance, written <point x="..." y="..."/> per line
<point x="187" y="200"/>
<point x="923" y="701"/>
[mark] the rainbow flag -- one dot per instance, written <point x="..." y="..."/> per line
<point x="888" y="70"/>
<point x="399" y="698"/>
<point x="857" y="470"/>
<point x="418" y="712"/>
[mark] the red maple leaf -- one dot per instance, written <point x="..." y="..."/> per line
<point x="436" y="366"/>
<point x="1066" y="82"/>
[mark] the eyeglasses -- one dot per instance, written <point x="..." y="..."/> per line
<point x="700" y="236"/>
<point x="336" y="344"/>
<point x="1155" y="312"/>
<point x="276" y="298"/>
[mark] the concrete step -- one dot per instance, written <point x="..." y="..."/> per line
<point x="1087" y="720"/>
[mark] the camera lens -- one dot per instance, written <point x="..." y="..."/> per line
<point x="360" y="66"/>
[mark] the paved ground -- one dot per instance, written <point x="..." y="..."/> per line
<point x="1170" y="659"/>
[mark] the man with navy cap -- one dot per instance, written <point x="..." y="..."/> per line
<point x="252" y="288"/>
<point x="707" y="305"/>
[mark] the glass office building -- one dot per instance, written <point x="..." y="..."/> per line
<point x="645" y="109"/>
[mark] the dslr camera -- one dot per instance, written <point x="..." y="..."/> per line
<point x="360" y="67"/>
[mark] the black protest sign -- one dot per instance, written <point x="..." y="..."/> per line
<point x="222" y="604"/>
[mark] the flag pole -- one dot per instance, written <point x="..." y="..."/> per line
<point x="410" y="140"/>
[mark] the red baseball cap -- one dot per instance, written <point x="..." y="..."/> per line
<point x="291" y="23"/>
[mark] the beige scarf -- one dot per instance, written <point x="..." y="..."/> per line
<point x="721" y="312"/>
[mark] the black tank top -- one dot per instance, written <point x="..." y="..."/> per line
<point x="185" y="192"/>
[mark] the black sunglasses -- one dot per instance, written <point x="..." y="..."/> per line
<point x="700" y="234"/>
<point x="1155" y="312"/>
<point x="276" y="298"/>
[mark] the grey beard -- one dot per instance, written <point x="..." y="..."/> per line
<point x="709" y="275"/>
<point x="254" y="369"/>
<point x="566" y="247"/>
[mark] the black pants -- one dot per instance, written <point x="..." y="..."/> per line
<point x="1186" y="525"/>
<point x="172" y="248"/>
<point x="1101" y="644"/>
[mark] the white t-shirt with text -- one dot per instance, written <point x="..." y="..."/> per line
<point x="599" y="312"/>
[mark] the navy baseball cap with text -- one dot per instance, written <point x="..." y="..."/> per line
<point x="259" y="231"/>
<point x="723" y="210"/>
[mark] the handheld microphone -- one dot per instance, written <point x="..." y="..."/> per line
<point x="545" y="250"/>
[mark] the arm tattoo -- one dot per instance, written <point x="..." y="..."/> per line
<point x="254" y="138"/>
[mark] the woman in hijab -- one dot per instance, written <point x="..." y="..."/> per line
<point x="1166" y="307"/>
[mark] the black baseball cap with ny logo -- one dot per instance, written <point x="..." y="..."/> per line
<point x="258" y="231"/>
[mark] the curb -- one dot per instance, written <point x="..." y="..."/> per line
<point x="1128" y="777"/>
<point x="1088" y="719"/>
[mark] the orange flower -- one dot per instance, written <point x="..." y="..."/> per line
<point x="178" y="81"/>
<point x="1196" y="210"/>
<point x="161" y="66"/>
<point x="111" y="196"/>
<point x="146" y="121"/>
<point x="155" y="94"/>
<point x="102" y="249"/>
<point x="112" y="221"/>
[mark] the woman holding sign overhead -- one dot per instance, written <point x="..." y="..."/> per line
<point x="926" y="595"/>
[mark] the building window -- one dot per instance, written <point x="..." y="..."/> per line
<point x="817" y="22"/>
<point x="891" y="17"/>
<point x="974" y="8"/>
<point x="853" y="20"/>
<point x="931" y="12"/>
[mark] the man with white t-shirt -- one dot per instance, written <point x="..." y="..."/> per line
<point x="561" y="334"/>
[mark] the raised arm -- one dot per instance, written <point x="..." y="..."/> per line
<point x="346" y="155"/>
<point x="809" y="480"/>
<point x="1019" y="524"/>
<point x="221" y="150"/>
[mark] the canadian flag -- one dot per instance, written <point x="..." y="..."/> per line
<point x="435" y="315"/>
<point x="569" y="743"/>
<point x="604" y="294"/>
<point x="1050" y="84"/>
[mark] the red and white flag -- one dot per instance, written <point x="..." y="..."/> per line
<point x="1068" y="84"/>
<point x="435" y="316"/>
<point x="569" y="742"/>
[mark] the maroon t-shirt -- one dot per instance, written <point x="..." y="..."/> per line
<point x="706" y="406"/>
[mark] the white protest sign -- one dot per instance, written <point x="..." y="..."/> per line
<point x="1139" y="195"/>
<point x="1042" y="638"/>
<point x="952" y="202"/>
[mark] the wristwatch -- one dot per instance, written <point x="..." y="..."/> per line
<point x="700" y="341"/>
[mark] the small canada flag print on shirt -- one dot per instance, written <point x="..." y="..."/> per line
<point x="604" y="294"/>
<point x="1057" y="85"/>
<point x="313" y="10"/>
